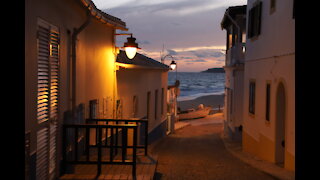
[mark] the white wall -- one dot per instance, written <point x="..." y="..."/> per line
<point x="271" y="57"/>
<point x="135" y="82"/>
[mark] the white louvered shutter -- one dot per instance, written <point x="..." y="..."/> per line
<point x="48" y="91"/>
<point x="43" y="74"/>
<point x="54" y="94"/>
<point x="42" y="154"/>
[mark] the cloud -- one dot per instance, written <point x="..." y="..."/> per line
<point x="161" y="8"/>
<point x="217" y="54"/>
<point x="186" y="57"/>
<point x="196" y="48"/>
<point x="172" y="52"/>
<point x="207" y="53"/>
<point x="197" y="60"/>
<point x="143" y="42"/>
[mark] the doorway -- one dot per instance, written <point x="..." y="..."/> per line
<point x="280" y="125"/>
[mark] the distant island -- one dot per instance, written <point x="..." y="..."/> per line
<point x="214" y="70"/>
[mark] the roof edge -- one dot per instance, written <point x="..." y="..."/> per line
<point x="133" y="66"/>
<point x="104" y="17"/>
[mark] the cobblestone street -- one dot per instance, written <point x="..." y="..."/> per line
<point x="198" y="152"/>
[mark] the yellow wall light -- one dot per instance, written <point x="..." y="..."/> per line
<point x="130" y="46"/>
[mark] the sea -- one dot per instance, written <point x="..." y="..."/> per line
<point x="197" y="84"/>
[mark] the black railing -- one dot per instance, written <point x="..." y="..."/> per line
<point x="71" y="145"/>
<point x="125" y="121"/>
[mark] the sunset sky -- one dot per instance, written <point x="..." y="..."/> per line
<point x="189" y="30"/>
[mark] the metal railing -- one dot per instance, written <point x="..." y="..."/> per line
<point x="125" y="121"/>
<point x="73" y="133"/>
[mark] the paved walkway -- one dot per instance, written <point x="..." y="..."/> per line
<point x="197" y="151"/>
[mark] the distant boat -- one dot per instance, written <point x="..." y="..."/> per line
<point x="192" y="113"/>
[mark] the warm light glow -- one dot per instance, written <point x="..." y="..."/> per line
<point x="131" y="52"/>
<point x="173" y="66"/>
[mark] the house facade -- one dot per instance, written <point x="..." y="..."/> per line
<point x="69" y="64"/>
<point x="142" y="85"/>
<point x="234" y="22"/>
<point x="269" y="82"/>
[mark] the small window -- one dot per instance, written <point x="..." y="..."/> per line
<point x="148" y="104"/>
<point x="162" y="100"/>
<point x="268" y="102"/>
<point x="93" y="109"/>
<point x="272" y="6"/>
<point x="135" y="106"/>
<point x="156" y="105"/>
<point x="254" y="24"/>
<point x="293" y="11"/>
<point x="252" y="89"/>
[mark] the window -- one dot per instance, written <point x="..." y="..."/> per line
<point x="293" y="11"/>
<point x="93" y="109"/>
<point x="48" y="40"/>
<point x="119" y="109"/>
<point x="148" y="104"/>
<point x="252" y="89"/>
<point x="135" y="106"/>
<point x="156" y="104"/>
<point x="272" y="6"/>
<point x="162" y="100"/>
<point x="48" y="71"/>
<point x="254" y="24"/>
<point x="268" y="102"/>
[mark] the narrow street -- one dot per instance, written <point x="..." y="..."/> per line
<point x="197" y="152"/>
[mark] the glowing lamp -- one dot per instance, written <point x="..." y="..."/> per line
<point x="131" y="47"/>
<point x="173" y="65"/>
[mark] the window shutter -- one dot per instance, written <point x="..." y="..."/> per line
<point x="250" y="23"/>
<point x="54" y="76"/>
<point x="42" y="154"/>
<point x="54" y="95"/>
<point x="43" y="74"/>
<point x="47" y="99"/>
<point x="254" y="20"/>
<point x="259" y="12"/>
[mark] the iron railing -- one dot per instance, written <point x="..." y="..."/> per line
<point x="125" y="121"/>
<point x="73" y="133"/>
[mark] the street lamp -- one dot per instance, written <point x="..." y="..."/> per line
<point x="130" y="46"/>
<point x="173" y="64"/>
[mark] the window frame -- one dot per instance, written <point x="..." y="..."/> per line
<point x="273" y="6"/>
<point x="252" y="95"/>
<point x="254" y="20"/>
<point x="268" y="101"/>
<point x="156" y="104"/>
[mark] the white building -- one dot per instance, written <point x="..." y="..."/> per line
<point x="269" y="82"/>
<point x="70" y="58"/>
<point x="234" y="22"/>
<point x="142" y="85"/>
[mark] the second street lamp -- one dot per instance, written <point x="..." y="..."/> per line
<point x="173" y="64"/>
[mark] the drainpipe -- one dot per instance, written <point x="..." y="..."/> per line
<point x="75" y="34"/>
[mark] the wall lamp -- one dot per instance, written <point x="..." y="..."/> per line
<point x="130" y="46"/>
<point x="173" y="64"/>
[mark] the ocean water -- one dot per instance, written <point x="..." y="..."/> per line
<point x="196" y="84"/>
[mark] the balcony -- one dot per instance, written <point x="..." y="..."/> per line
<point x="107" y="149"/>
<point x="235" y="55"/>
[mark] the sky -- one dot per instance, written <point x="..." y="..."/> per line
<point x="188" y="30"/>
